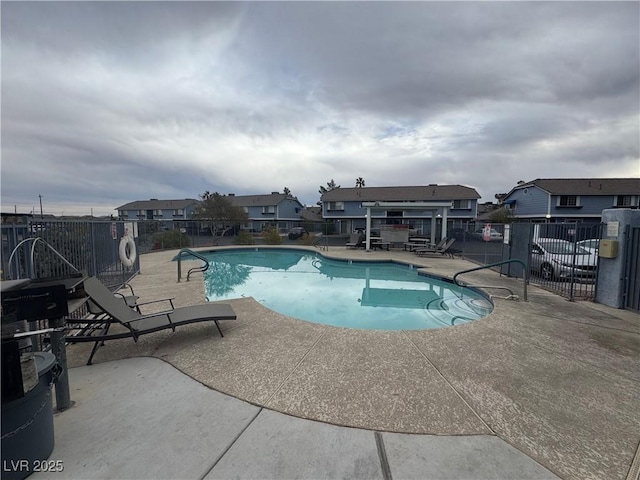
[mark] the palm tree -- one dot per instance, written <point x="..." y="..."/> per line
<point x="359" y="182"/>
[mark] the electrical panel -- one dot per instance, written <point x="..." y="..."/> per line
<point x="608" y="248"/>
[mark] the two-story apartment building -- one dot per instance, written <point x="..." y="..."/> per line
<point x="571" y="199"/>
<point x="273" y="210"/>
<point x="166" y="211"/>
<point x="423" y="209"/>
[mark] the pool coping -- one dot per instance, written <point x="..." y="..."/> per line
<point x="419" y="269"/>
<point x="531" y="373"/>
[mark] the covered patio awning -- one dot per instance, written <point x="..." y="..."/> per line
<point x="433" y="207"/>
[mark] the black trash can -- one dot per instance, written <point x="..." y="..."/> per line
<point x="27" y="425"/>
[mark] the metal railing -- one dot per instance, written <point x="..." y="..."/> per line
<point x="31" y="265"/>
<point x="188" y="251"/>
<point x="511" y="296"/>
<point x="572" y="275"/>
<point x="91" y="246"/>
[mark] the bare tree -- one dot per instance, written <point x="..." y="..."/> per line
<point x="219" y="213"/>
<point x="502" y="215"/>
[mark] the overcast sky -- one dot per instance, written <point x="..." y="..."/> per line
<point x="107" y="103"/>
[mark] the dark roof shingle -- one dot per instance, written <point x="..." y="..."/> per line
<point x="401" y="194"/>
<point x="587" y="186"/>
<point x="259" y="200"/>
<point x="155" y="204"/>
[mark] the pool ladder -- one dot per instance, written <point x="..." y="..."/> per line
<point x="188" y="251"/>
<point x="511" y="296"/>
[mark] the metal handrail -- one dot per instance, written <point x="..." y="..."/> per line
<point x="32" y="255"/>
<point x="188" y="251"/>
<point x="512" y="295"/>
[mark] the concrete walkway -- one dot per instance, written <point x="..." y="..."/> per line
<point x="140" y="418"/>
<point x="537" y="389"/>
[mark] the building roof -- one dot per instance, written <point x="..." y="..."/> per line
<point x="155" y="204"/>
<point x="260" y="200"/>
<point x="585" y="186"/>
<point x="312" y="214"/>
<point x="401" y="194"/>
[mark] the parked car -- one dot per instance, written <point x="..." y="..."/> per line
<point x="553" y="258"/>
<point x="298" y="232"/>
<point x="494" y="235"/>
<point x="591" y="245"/>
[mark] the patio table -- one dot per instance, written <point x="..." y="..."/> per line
<point x="378" y="243"/>
<point x="417" y="242"/>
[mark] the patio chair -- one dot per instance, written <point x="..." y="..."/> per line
<point x="443" y="249"/>
<point x="135" y="323"/>
<point x="357" y="240"/>
<point x="429" y="247"/>
<point x="130" y="299"/>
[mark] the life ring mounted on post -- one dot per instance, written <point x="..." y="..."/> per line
<point x="127" y="257"/>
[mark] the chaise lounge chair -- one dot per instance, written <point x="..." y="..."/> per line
<point x="354" y="241"/>
<point x="429" y="247"/>
<point x="357" y="240"/>
<point x="443" y="249"/>
<point x="136" y="324"/>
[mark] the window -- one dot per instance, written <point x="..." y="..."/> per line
<point x="568" y="201"/>
<point x="269" y="209"/>
<point x="179" y="212"/>
<point x="626" y="201"/>
<point x="157" y="213"/>
<point x="395" y="213"/>
<point x="336" y="205"/>
<point x="462" y="204"/>
<point x="140" y="212"/>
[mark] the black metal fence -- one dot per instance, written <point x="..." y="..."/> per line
<point x="154" y="235"/>
<point x="561" y="257"/>
<point x="632" y="269"/>
<point x="58" y="248"/>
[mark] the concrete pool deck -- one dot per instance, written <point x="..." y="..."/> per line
<point x="554" y="380"/>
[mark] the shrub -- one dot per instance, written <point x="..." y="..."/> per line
<point x="307" y="240"/>
<point x="244" y="238"/>
<point x="271" y="236"/>
<point x="171" y="239"/>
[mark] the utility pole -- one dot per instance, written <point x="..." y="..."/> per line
<point x="41" y="215"/>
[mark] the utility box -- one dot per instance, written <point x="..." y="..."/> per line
<point x="608" y="248"/>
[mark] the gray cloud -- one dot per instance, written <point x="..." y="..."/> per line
<point x="118" y="101"/>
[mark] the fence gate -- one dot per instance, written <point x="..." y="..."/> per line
<point x="561" y="262"/>
<point x="632" y="269"/>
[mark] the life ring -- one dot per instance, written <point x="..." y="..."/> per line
<point x="127" y="259"/>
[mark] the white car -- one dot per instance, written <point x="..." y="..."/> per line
<point x="590" y="245"/>
<point x="553" y="258"/>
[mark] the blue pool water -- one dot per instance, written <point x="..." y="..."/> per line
<point x="367" y="295"/>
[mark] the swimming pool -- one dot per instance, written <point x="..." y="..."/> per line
<point x="367" y="295"/>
